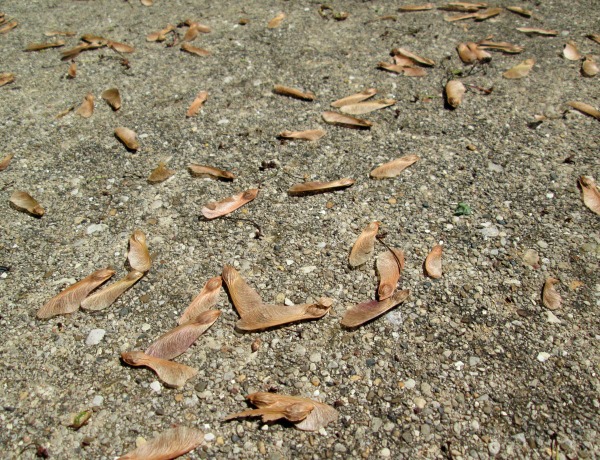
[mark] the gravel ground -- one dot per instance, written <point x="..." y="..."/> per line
<point x="472" y="366"/>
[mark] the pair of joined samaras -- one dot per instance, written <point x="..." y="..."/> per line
<point x="169" y="444"/>
<point x="407" y="63"/>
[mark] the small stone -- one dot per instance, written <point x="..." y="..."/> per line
<point x="340" y="448"/>
<point x="531" y="258"/>
<point x="490" y="232"/>
<point x="97" y="401"/>
<point x="308" y="269"/>
<point x="95" y="337"/>
<point x="459" y="365"/>
<point x="494" y="448"/>
<point x="542" y="244"/>
<point x="146" y="327"/>
<point x="95" y="228"/>
<point x="385" y="452"/>
<point x="209" y="437"/>
<point x="420" y="402"/>
<point x="315" y="357"/>
<point x="474" y="361"/>
<point x="410" y="384"/>
<point x="543" y="356"/>
<point x="495" y="167"/>
<point x="140" y="441"/>
<point x="552" y="318"/>
<point x="156" y="387"/>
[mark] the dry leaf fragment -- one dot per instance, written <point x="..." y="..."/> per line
<point x="487" y="14"/>
<point x="210" y="172"/>
<point x="267" y="316"/>
<point x="520" y="70"/>
<point x="505" y="47"/>
<point x="205" y="300"/>
<point x="361" y="108"/>
<point x="6" y="161"/>
<point x="590" y="193"/>
<point x="197" y="104"/>
<point x="161" y="35"/>
<point x="519" y="10"/>
<point x="276" y="21"/>
<point x="6" y="78"/>
<point x="414" y="57"/>
<point x="308" y="135"/>
<point x="589" y="67"/>
<point x="394" y="167"/>
<point x="413" y="8"/>
<point x="228" y="205"/>
<point x="72" y="72"/>
<point x="139" y="256"/>
<point x="535" y="31"/>
<point x="312" y="188"/>
<point x="292" y="92"/>
<point x="571" y="52"/>
<point x="43" y="46"/>
<point x="113" y="97"/>
<point x="179" y="339"/>
<point x="550" y="297"/>
<point x="364" y="245"/>
<point x="433" y="262"/>
<point x="455" y="91"/>
<point x="160" y="174"/>
<point x="170" y="373"/>
<point x="409" y="71"/>
<point x="389" y="266"/>
<point x="355" y="98"/>
<point x="585" y="109"/>
<point x="171" y="443"/>
<point x="23" y="201"/>
<point x="69" y="300"/>
<point x="594" y="37"/>
<point x="107" y="296"/>
<point x="120" y="47"/>
<point x="64" y="33"/>
<point x="86" y="109"/>
<point x="195" y="50"/>
<point x="346" y="121"/>
<point x="128" y="137"/>
<point x="244" y="298"/>
<point x="10" y="25"/>
<point x="366" y="311"/>
<point x="463" y="6"/>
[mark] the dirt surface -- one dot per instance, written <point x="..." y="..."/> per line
<point x="472" y="366"/>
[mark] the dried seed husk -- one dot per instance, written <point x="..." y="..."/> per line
<point x="72" y="72"/>
<point x="195" y="50"/>
<point x="364" y="245"/>
<point x="403" y="61"/>
<point x="172" y="374"/>
<point x="86" y="109"/>
<point x="455" y="91"/>
<point x="78" y="419"/>
<point x="535" y="31"/>
<point x="487" y="14"/>
<point x="147" y="2"/>
<point x="520" y="11"/>
<point x="346" y="121"/>
<point x="589" y="67"/>
<point x="113" y="97"/>
<point x="10" y="25"/>
<point x="169" y="444"/>
<point x="64" y="33"/>
<point x="160" y="174"/>
<point x="228" y="205"/>
<point x="463" y="6"/>
<point x="366" y="311"/>
<point x="418" y="59"/>
<point x="480" y="54"/>
<point x="120" y="47"/>
<point x="308" y="135"/>
<point x="276" y="21"/>
<point x="389" y="266"/>
<point x="460" y="17"/>
<point x="205" y="300"/>
<point x="312" y="188"/>
<point x="179" y="339"/>
<point x="590" y="193"/>
<point x="394" y="167"/>
<point x="267" y="316"/>
<point x="6" y="78"/>
<point x="6" y="161"/>
<point x="293" y="412"/>
<point x="244" y="298"/>
<point x="433" y="262"/>
<point x="94" y="39"/>
<point x="69" y="300"/>
<point x="550" y="297"/>
<point x="161" y="35"/>
<point x="197" y="104"/>
<point x="414" y="8"/>
<point x="107" y="296"/>
<point x="128" y="137"/>
<point x="139" y="256"/>
<point x="210" y="172"/>
<point x="409" y="71"/>
<point x="293" y="92"/>
<point x="505" y="47"/>
<point x="198" y="26"/>
<point x="361" y="108"/>
<point x="355" y="98"/>
<point x="44" y="46"/>
<point x="23" y="201"/>
<point x="414" y="72"/>
<point x="191" y="34"/>
<point x="585" y="109"/>
<point x="466" y="55"/>
<point x="571" y="52"/>
<point x="594" y="37"/>
<point x="520" y="70"/>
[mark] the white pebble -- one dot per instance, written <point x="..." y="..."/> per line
<point x="410" y="384"/>
<point x="552" y="318"/>
<point x="543" y="356"/>
<point x="95" y="337"/>
<point x="385" y="452"/>
<point x="156" y="386"/>
<point x="494" y="447"/>
<point x="98" y="401"/>
<point x="209" y="437"/>
<point x="94" y="228"/>
<point x="146" y="327"/>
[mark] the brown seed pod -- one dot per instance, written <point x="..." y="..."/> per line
<point x="191" y="34"/>
<point x="294" y="93"/>
<point x="171" y="443"/>
<point x="86" y="109"/>
<point x="535" y="31"/>
<point x="113" y="97"/>
<point x="6" y="161"/>
<point x="364" y="245"/>
<point x="433" y="262"/>
<point x="416" y="58"/>
<point x="550" y="297"/>
<point x="589" y="67"/>
<point x="172" y="374"/>
<point x="244" y="298"/>
<point x="571" y="52"/>
<point x="205" y="300"/>
<point x="585" y="109"/>
<point x="276" y="21"/>
<point x="44" y="46"/>
<point x="228" y="205"/>
<point x="520" y="11"/>
<point x="504" y="47"/>
<point x="308" y="135"/>
<point x="394" y="167"/>
<point x="197" y="104"/>
<point x="72" y="72"/>
<point x="194" y="50"/>
<point x="465" y="54"/>
<point x="455" y="91"/>
<point x="10" y="25"/>
<point x="355" y="98"/>
<point x="69" y="300"/>
<point x="120" y="47"/>
<point x="590" y="193"/>
<point x="465" y="7"/>
<point x="210" y="172"/>
<point x="161" y="35"/>
<point x="107" y="296"/>
<point x="160" y="174"/>
<point x="594" y="37"/>
<point x="6" y="78"/>
<point x="128" y="137"/>
<point x="23" y="201"/>
<point x="147" y="2"/>
<point x="203" y="29"/>
<point x="267" y="316"/>
<point x="139" y="256"/>
<point x="366" y="311"/>
<point x="346" y="121"/>
<point x="255" y="346"/>
<point x="414" y="8"/>
<point x="361" y="108"/>
<point x="520" y="70"/>
<point x="312" y="188"/>
<point x="409" y="71"/>
<point x="389" y="266"/>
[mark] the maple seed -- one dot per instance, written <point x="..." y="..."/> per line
<point x="355" y="98"/>
<point x="276" y="21"/>
<point x="520" y="70"/>
<point x="267" y="316"/>
<point x="465" y="7"/>
<point x="197" y="104"/>
<point x="72" y="72"/>
<point x="107" y="296"/>
<point x="308" y="135"/>
<point x="6" y="78"/>
<point x="346" y="121"/>
<point x="43" y="46"/>
<point x="394" y="167"/>
<point x="550" y="297"/>
<point x="171" y="443"/>
<point x="366" y="311"/>
<point x="505" y="47"/>
<point x="160" y="174"/>
<point x="433" y="262"/>
<point x="455" y="91"/>
<point x="414" y="57"/>
<point x="389" y="266"/>
<point x="361" y="108"/>
<point x="535" y="31"/>
<point x="205" y="300"/>
<point x="312" y="188"/>
<point x="86" y="109"/>
<point x="120" y="47"/>
<point x="293" y="92"/>
<point x="414" y="8"/>
<point x="364" y="245"/>
<point x="590" y="193"/>
<point x="6" y="161"/>
<point x="228" y="205"/>
<point x="571" y="52"/>
<point x="518" y="10"/>
<point x="585" y="109"/>
<point x="210" y="172"/>
<point x="170" y="373"/>
<point x="589" y="67"/>
<point x="139" y="256"/>
<point x="23" y="201"/>
<point x="128" y="137"/>
<point x="195" y="50"/>
<point x="113" y="98"/>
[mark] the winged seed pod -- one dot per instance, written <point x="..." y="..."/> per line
<point x="585" y="109"/>
<point x="346" y="121"/>
<point x="394" y="167"/>
<point x="414" y="8"/>
<point x="147" y="2"/>
<point x="433" y="262"/>
<point x="571" y="52"/>
<point x="128" y="137"/>
<point x="590" y="193"/>
<point x="195" y="50"/>
<point x="197" y="104"/>
<point x="160" y="174"/>
<point x="292" y="92"/>
<point x="170" y="373"/>
<point x="418" y="59"/>
<point x="355" y="98"/>
<point x="389" y="266"/>
<point x="505" y="47"/>
<point x="6" y="161"/>
<point x="293" y="412"/>
<point x="228" y="205"/>
<point x="44" y="46"/>
<point x="120" y="47"/>
<point x="113" y="98"/>
<point x="169" y="444"/>
<point x="308" y="135"/>
<point x="68" y="300"/>
<point x="86" y="109"/>
<point x="594" y="37"/>
<point x="72" y="72"/>
<point x="6" y="78"/>
<point x="161" y="35"/>
<point x="520" y="11"/>
<point x="204" y="301"/>
<point x="364" y="245"/>
<point x="409" y="71"/>
<point x="23" y="201"/>
<point x="179" y="339"/>
<point x="210" y="172"/>
<point x="244" y="298"/>
<point x="535" y="31"/>
<point x="313" y="188"/>
<point x="191" y="34"/>
<point x="139" y="256"/>
<point x="455" y="91"/>
<point x="276" y="21"/>
<point x="366" y="311"/>
<point x="465" y="54"/>
<point x="589" y="67"/>
<point x="520" y="70"/>
<point x="465" y="7"/>
<point x="267" y="316"/>
<point x="361" y="108"/>
<point x="107" y="296"/>
<point x="550" y="297"/>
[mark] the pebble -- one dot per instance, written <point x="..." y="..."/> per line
<point x="95" y="337"/>
<point x="146" y="327"/>
<point x="474" y="361"/>
<point x="543" y="356"/>
<point x="95" y="228"/>
<point x="385" y="452"/>
<point x="410" y="384"/>
<point x="494" y="448"/>
<point x="420" y="402"/>
<point x="98" y="401"/>
<point x="308" y="269"/>
<point x="490" y="232"/>
<point x="315" y="357"/>
<point x="494" y="167"/>
<point x="209" y="437"/>
<point x="155" y="386"/>
<point x="552" y="318"/>
<point x="542" y="244"/>
<point x="340" y="448"/>
<point x="459" y="365"/>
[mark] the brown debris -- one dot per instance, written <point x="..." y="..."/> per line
<point x="409" y="71"/>
<point x="197" y="104"/>
<point x="23" y="201"/>
<point x="590" y="193"/>
<point x="520" y="11"/>
<point x="6" y="78"/>
<point x="210" y="172"/>
<point x="228" y="205"/>
<point x="63" y="33"/>
<point x="520" y="70"/>
<point x="389" y="266"/>
<point x="433" y="262"/>
<point x="414" y="57"/>
<point x="361" y="108"/>
<point x="86" y="109"/>
<point x="195" y="50"/>
<point x="44" y="46"/>
<point x="72" y="72"/>
<point x="6" y="161"/>
<point x="414" y="8"/>
<point x="113" y="97"/>
<point x="173" y="442"/>
<point x="536" y="31"/>
<point x="585" y="109"/>
<point x="346" y="121"/>
<point x="161" y="35"/>
<point x="355" y="98"/>
<point x="107" y="296"/>
<point x="292" y="92"/>
<point x="455" y="91"/>
<point x="589" y="67"/>
<point x="120" y="47"/>
<point x="128" y="137"/>
<point x="366" y="311"/>
<point x="308" y="135"/>
<point x="465" y="7"/>
<point x="550" y="297"/>
<point x="172" y="374"/>
<point x="312" y="188"/>
<point x="205" y="300"/>
<point x="571" y="52"/>
<point x="139" y="256"/>
<point x="394" y="167"/>
<point x="160" y="174"/>
<point x="7" y="27"/>
<point x="594" y="37"/>
<point x="471" y="52"/>
<point x="276" y="21"/>
<point x="505" y="47"/>
<point x="364" y="245"/>
<point x="147" y="2"/>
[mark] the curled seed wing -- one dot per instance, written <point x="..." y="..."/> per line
<point x="86" y="109"/>
<point x="139" y="256"/>
<point x="355" y="98"/>
<point x="550" y="297"/>
<point x="210" y="172"/>
<point x="433" y="262"/>
<point x="107" y="296"/>
<point x="23" y="201"/>
<point x="394" y="167"/>
<point x="228" y="205"/>
<point x="197" y="104"/>
<point x="361" y="108"/>
<point x="112" y="96"/>
<point x="293" y="92"/>
<point x="321" y="416"/>
<point x="455" y="91"/>
<point x="308" y="135"/>
<point x="170" y="373"/>
<point x="346" y="121"/>
<point x="204" y="301"/>
<point x="590" y="193"/>
<point x="364" y="245"/>
<point x="160" y="174"/>
<point x="389" y="267"/>
<point x="128" y="137"/>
